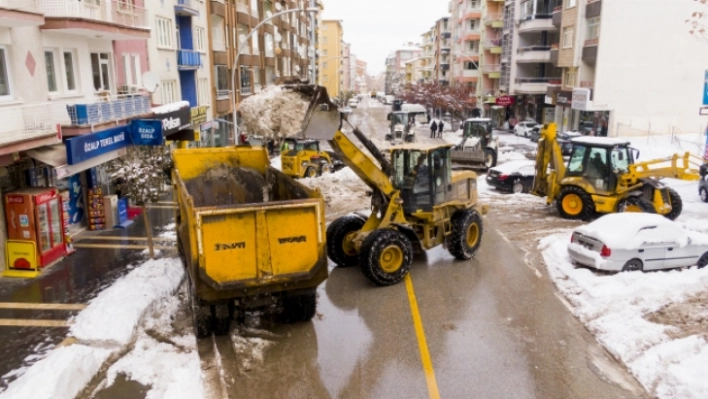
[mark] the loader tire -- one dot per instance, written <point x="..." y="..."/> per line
<point x="298" y="308"/>
<point x="310" y="172"/>
<point x="386" y="256"/>
<point x="222" y="319"/>
<point x="676" y="204"/>
<point x="490" y="158"/>
<point x="343" y="255"/>
<point x="325" y="169"/>
<point x="574" y="203"/>
<point x="466" y="236"/>
<point x="635" y="203"/>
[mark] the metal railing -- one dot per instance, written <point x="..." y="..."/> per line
<point x="544" y="79"/>
<point x="108" y="109"/>
<point x="186" y="3"/>
<point x="496" y="17"/>
<point x="189" y="58"/>
<point x="246" y="90"/>
<point x="492" y="43"/>
<point x="223" y="94"/>
<point x="121" y="12"/>
<point x="22" y="5"/>
<point x="486" y="68"/>
<point x="522" y="50"/>
<point x="25" y="121"/>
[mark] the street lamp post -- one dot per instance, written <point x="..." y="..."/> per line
<point x="238" y="55"/>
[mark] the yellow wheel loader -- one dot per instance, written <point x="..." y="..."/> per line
<point x="417" y="201"/>
<point x="303" y="158"/>
<point x="603" y="176"/>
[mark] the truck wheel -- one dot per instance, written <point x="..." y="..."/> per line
<point x="466" y="236"/>
<point x="341" y="253"/>
<point x="676" y="204"/>
<point x="490" y="158"/>
<point x="310" y="171"/>
<point x="575" y="203"/>
<point x="386" y="256"/>
<point x="325" y="169"/>
<point x="635" y="203"/>
<point x="222" y="319"/>
<point x="703" y="192"/>
<point x="201" y="314"/>
<point x="299" y="308"/>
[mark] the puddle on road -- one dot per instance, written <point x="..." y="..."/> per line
<point x="123" y="388"/>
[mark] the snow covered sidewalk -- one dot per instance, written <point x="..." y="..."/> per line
<point x="655" y="323"/>
<point x="105" y="328"/>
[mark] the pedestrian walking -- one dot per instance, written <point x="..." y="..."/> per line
<point x="441" y="124"/>
<point x="433" y="129"/>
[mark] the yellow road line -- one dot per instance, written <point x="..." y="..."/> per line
<point x="126" y="238"/>
<point x="117" y="246"/>
<point x="422" y="343"/>
<point x="33" y="323"/>
<point x="42" y="306"/>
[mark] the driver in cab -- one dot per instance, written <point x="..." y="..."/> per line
<point x="421" y="174"/>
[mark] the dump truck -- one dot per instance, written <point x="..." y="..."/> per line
<point x="249" y="235"/>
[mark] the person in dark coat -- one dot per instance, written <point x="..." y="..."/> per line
<point x="441" y="124"/>
<point x="433" y="129"/>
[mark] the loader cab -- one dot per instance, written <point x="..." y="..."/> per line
<point x="599" y="160"/>
<point x="423" y="175"/>
<point x="480" y="128"/>
<point x="303" y="158"/>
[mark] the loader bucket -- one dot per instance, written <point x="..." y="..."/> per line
<point x="323" y="118"/>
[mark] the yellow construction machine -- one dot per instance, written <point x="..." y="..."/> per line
<point x="417" y="201"/>
<point x="303" y="158"/>
<point x="603" y="176"/>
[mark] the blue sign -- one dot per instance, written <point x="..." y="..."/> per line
<point x="76" y="199"/>
<point x="705" y="89"/>
<point x="146" y="132"/>
<point x="122" y="210"/>
<point x="82" y="148"/>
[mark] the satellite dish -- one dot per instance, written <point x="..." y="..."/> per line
<point x="278" y="6"/>
<point x="151" y="81"/>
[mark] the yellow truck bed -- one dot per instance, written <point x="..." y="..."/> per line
<point x="245" y="228"/>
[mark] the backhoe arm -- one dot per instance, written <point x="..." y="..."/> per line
<point x="684" y="167"/>
<point x="548" y="156"/>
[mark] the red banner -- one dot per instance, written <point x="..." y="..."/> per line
<point x="505" y="101"/>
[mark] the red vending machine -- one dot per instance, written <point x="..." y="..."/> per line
<point x="35" y="214"/>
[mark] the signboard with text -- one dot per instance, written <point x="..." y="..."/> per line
<point x="705" y="88"/>
<point x="82" y="148"/>
<point x="581" y="99"/>
<point x="174" y="121"/>
<point x="505" y="101"/>
<point x="146" y="132"/>
<point x="199" y="114"/>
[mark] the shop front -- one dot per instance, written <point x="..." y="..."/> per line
<point x="590" y="118"/>
<point x="501" y="111"/>
<point x="564" y="113"/>
<point x="202" y="128"/>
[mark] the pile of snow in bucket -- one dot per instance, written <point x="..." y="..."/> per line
<point x="274" y="112"/>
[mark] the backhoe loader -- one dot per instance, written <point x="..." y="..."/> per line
<point x="417" y="201"/>
<point x="602" y="176"/>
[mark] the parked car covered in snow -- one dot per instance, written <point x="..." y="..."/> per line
<point x="703" y="183"/>
<point x="523" y="128"/>
<point x="514" y="176"/>
<point x="637" y="241"/>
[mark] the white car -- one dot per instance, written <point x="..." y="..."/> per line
<point x="637" y="241"/>
<point x="523" y="128"/>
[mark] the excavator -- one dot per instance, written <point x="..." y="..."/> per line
<point x="603" y="176"/>
<point x="417" y="201"/>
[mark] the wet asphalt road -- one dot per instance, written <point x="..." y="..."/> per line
<point x="493" y="328"/>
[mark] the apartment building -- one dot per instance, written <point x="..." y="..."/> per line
<point x="353" y="72"/>
<point x="281" y="47"/>
<point x="428" y="55"/>
<point x="396" y="65"/>
<point x="467" y="28"/>
<point x="347" y="68"/>
<point x="493" y="23"/>
<point x="414" y="71"/>
<point x="331" y="53"/>
<point x="443" y="51"/>
<point x="623" y="75"/>
<point x="178" y="54"/>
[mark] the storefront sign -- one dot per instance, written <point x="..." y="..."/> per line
<point x="705" y="89"/>
<point x="199" y="115"/>
<point x="122" y="210"/>
<point x="146" y="132"/>
<point x="564" y="98"/>
<point x="82" y="148"/>
<point x="505" y="101"/>
<point x="581" y="99"/>
<point x="173" y="121"/>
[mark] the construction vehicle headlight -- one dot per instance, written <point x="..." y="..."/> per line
<point x="304" y="163"/>
<point x="399" y="201"/>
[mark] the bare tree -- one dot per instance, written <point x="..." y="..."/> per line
<point x="698" y="22"/>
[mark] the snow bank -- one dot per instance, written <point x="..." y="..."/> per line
<point x="112" y="317"/>
<point x="274" y="112"/>
<point x="667" y="358"/>
<point x="339" y="188"/>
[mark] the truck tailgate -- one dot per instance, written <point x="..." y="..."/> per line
<point x="250" y="244"/>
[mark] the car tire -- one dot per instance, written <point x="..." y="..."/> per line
<point x="386" y="256"/>
<point x="574" y="203"/>
<point x="703" y="192"/>
<point x="336" y="233"/>
<point x="633" y="265"/>
<point x="518" y="187"/>
<point x="466" y="235"/>
<point x="635" y="203"/>
<point x="703" y="261"/>
<point x="676" y="205"/>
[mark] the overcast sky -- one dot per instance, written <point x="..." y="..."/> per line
<point x="377" y="27"/>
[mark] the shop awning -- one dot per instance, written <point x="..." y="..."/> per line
<point x="55" y="156"/>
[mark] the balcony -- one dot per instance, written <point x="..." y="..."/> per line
<point x="471" y="35"/>
<point x="593" y="8"/>
<point x="590" y="51"/>
<point x="493" y="71"/>
<point x="18" y="13"/>
<point x="444" y="66"/>
<point x="29" y="122"/>
<point x="186" y="9"/>
<point x="493" y="45"/>
<point x="473" y="14"/>
<point x="557" y="16"/>
<point x="536" y="23"/>
<point x="111" y="110"/>
<point x="470" y="73"/>
<point x="188" y="60"/>
<point x="554" y="55"/>
<point x="536" y="85"/>
<point x="108" y="20"/>
<point x="446" y="35"/>
<point x="533" y="54"/>
<point x="496" y="20"/>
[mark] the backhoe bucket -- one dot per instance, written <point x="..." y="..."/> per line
<point x="323" y="118"/>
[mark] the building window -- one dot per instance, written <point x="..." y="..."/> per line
<point x="100" y="69"/>
<point x="324" y="65"/>
<point x="269" y="50"/>
<point x="200" y="39"/>
<point x="568" y="37"/>
<point x="222" y="81"/>
<point x="269" y="75"/>
<point x="51" y="71"/>
<point x="131" y="69"/>
<point x="203" y="97"/>
<point x="473" y="24"/>
<point x="169" y="91"/>
<point x="470" y="65"/>
<point x="324" y="78"/>
<point x="218" y="36"/>
<point x="474" y="4"/>
<point x="571" y="76"/>
<point x="570" y="3"/>
<point x="245" y="80"/>
<point x="69" y="71"/>
<point x="241" y="33"/>
<point x="324" y="52"/>
<point x="257" y="78"/>
<point x="255" y="44"/>
<point x="268" y="10"/>
<point x="135" y="65"/>
<point x="324" y="40"/>
<point x="593" y="28"/>
<point x="472" y="47"/>
<point x="127" y="70"/>
<point x="4" y="74"/>
<point x="254" y="8"/>
<point x="165" y="33"/>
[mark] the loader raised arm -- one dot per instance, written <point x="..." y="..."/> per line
<point x="550" y="167"/>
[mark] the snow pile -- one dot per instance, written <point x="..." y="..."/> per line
<point x="112" y="317"/>
<point x="654" y="323"/>
<point x="343" y="191"/>
<point x="274" y="112"/>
